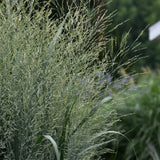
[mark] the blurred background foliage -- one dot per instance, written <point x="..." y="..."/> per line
<point x="140" y="120"/>
<point x="140" y="15"/>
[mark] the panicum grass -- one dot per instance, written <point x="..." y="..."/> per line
<point x="48" y="84"/>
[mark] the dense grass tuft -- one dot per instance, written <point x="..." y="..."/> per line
<point x="48" y="84"/>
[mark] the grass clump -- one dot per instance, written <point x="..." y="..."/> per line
<point x="48" y="84"/>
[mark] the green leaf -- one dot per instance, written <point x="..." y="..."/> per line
<point x="54" y="145"/>
<point x="52" y="45"/>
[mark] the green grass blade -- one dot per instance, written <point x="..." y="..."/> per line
<point x="96" y="146"/>
<point x="153" y="152"/>
<point x="52" y="45"/>
<point x="54" y="145"/>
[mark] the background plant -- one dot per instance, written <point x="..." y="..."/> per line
<point x="139" y="15"/>
<point x="140" y="120"/>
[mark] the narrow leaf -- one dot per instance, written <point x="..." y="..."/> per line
<point x="52" y="45"/>
<point x="106" y="99"/>
<point x="54" y="145"/>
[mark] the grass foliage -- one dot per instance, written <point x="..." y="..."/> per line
<point x="44" y="68"/>
<point x="48" y="82"/>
